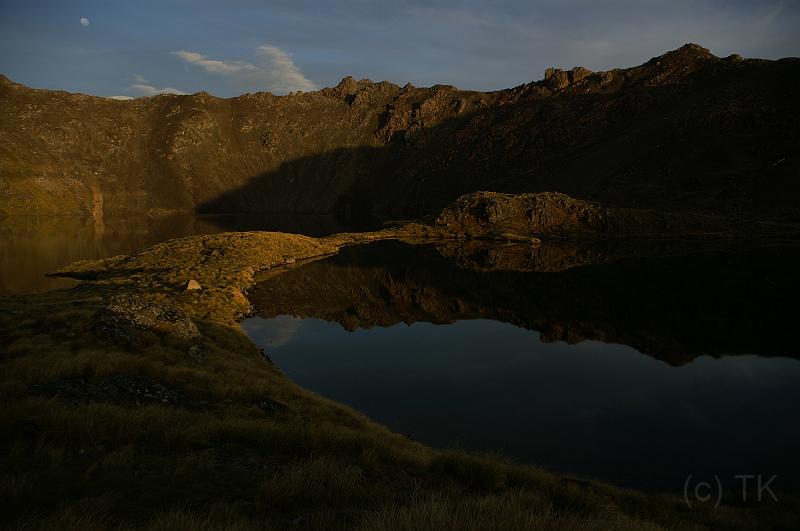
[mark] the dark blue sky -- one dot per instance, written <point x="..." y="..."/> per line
<point x="139" y="48"/>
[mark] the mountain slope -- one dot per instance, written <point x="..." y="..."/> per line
<point x="684" y="131"/>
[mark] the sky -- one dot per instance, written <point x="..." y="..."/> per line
<point x="142" y="48"/>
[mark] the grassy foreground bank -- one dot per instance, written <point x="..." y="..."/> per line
<point x="131" y="402"/>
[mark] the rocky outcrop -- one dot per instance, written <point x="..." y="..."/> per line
<point x="556" y="79"/>
<point x="686" y="131"/>
<point x="522" y="216"/>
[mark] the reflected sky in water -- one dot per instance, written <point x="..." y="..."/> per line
<point x="591" y="409"/>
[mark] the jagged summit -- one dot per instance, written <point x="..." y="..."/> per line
<point x="689" y="52"/>
<point x="661" y="69"/>
<point x="348" y="85"/>
<point x="555" y="79"/>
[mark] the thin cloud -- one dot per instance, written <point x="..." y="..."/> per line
<point x="273" y="70"/>
<point x="281" y="70"/>
<point x="144" y="88"/>
<point x="119" y="97"/>
<point x="212" y="65"/>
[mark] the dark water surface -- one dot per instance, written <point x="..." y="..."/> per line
<point x="636" y="370"/>
<point x="31" y="246"/>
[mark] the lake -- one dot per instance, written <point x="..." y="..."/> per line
<point x="637" y="369"/>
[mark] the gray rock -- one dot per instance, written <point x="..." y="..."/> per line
<point x="144" y="314"/>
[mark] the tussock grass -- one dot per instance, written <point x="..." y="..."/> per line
<point x="320" y="481"/>
<point x="477" y="472"/>
<point x="516" y="509"/>
<point x="179" y="520"/>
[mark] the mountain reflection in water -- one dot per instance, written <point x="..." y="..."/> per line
<point x="541" y="358"/>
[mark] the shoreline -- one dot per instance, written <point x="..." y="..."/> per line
<point x="285" y="453"/>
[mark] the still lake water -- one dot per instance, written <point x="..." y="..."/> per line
<point x="535" y="366"/>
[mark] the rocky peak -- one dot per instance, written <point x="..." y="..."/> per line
<point x="556" y="79"/>
<point x="673" y="66"/>
<point x="688" y="54"/>
<point x="346" y="86"/>
<point x="695" y="50"/>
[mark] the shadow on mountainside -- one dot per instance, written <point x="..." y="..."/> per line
<point x="721" y="140"/>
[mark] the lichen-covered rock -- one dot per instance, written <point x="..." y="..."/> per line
<point x="138" y="311"/>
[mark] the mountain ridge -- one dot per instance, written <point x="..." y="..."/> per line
<point x="348" y="84"/>
<point x="684" y="131"/>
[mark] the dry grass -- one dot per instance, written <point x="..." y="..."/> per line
<point x="515" y="509"/>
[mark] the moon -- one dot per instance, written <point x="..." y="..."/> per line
<point x="84" y="22"/>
